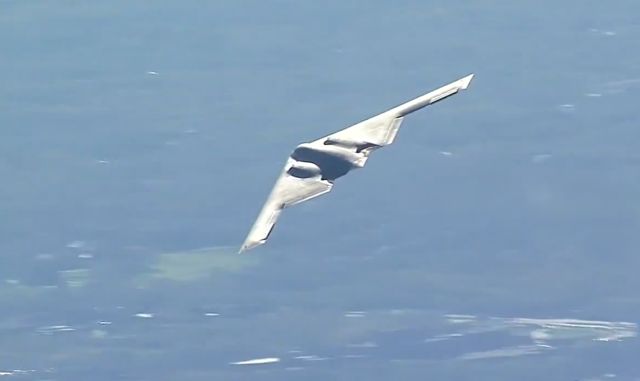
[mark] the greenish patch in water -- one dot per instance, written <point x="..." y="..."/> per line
<point x="194" y="265"/>
<point x="75" y="278"/>
<point x="14" y="290"/>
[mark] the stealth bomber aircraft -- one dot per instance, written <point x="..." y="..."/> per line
<point x="312" y="168"/>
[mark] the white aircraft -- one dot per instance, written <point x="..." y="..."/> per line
<point x="313" y="167"/>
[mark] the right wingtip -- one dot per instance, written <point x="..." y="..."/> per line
<point x="464" y="82"/>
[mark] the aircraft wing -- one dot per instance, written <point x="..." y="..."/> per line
<point x="381" y="130"/>
<point x="288" y="190"/>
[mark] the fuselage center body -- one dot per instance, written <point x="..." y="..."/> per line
<point x="332" y="160"/>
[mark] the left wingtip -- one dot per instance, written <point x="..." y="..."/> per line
<point x="248" y="245"/>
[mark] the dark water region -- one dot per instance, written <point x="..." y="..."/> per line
<point x="496" y="239"/>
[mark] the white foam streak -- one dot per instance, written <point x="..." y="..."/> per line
<point x="258" y="361"/>
<point x="521" y="350"/>
<point x="144" y="315"/>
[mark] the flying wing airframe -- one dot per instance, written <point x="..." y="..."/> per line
<point x="313" y="167"/>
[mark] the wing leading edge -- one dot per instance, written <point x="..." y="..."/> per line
<point x="382" y="129"/>
<point x="373" y="133"/>
<point x="288" y="190"/>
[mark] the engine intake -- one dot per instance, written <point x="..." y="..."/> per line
<point x="304" y="170"/>
<point x="359" y="146"/>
